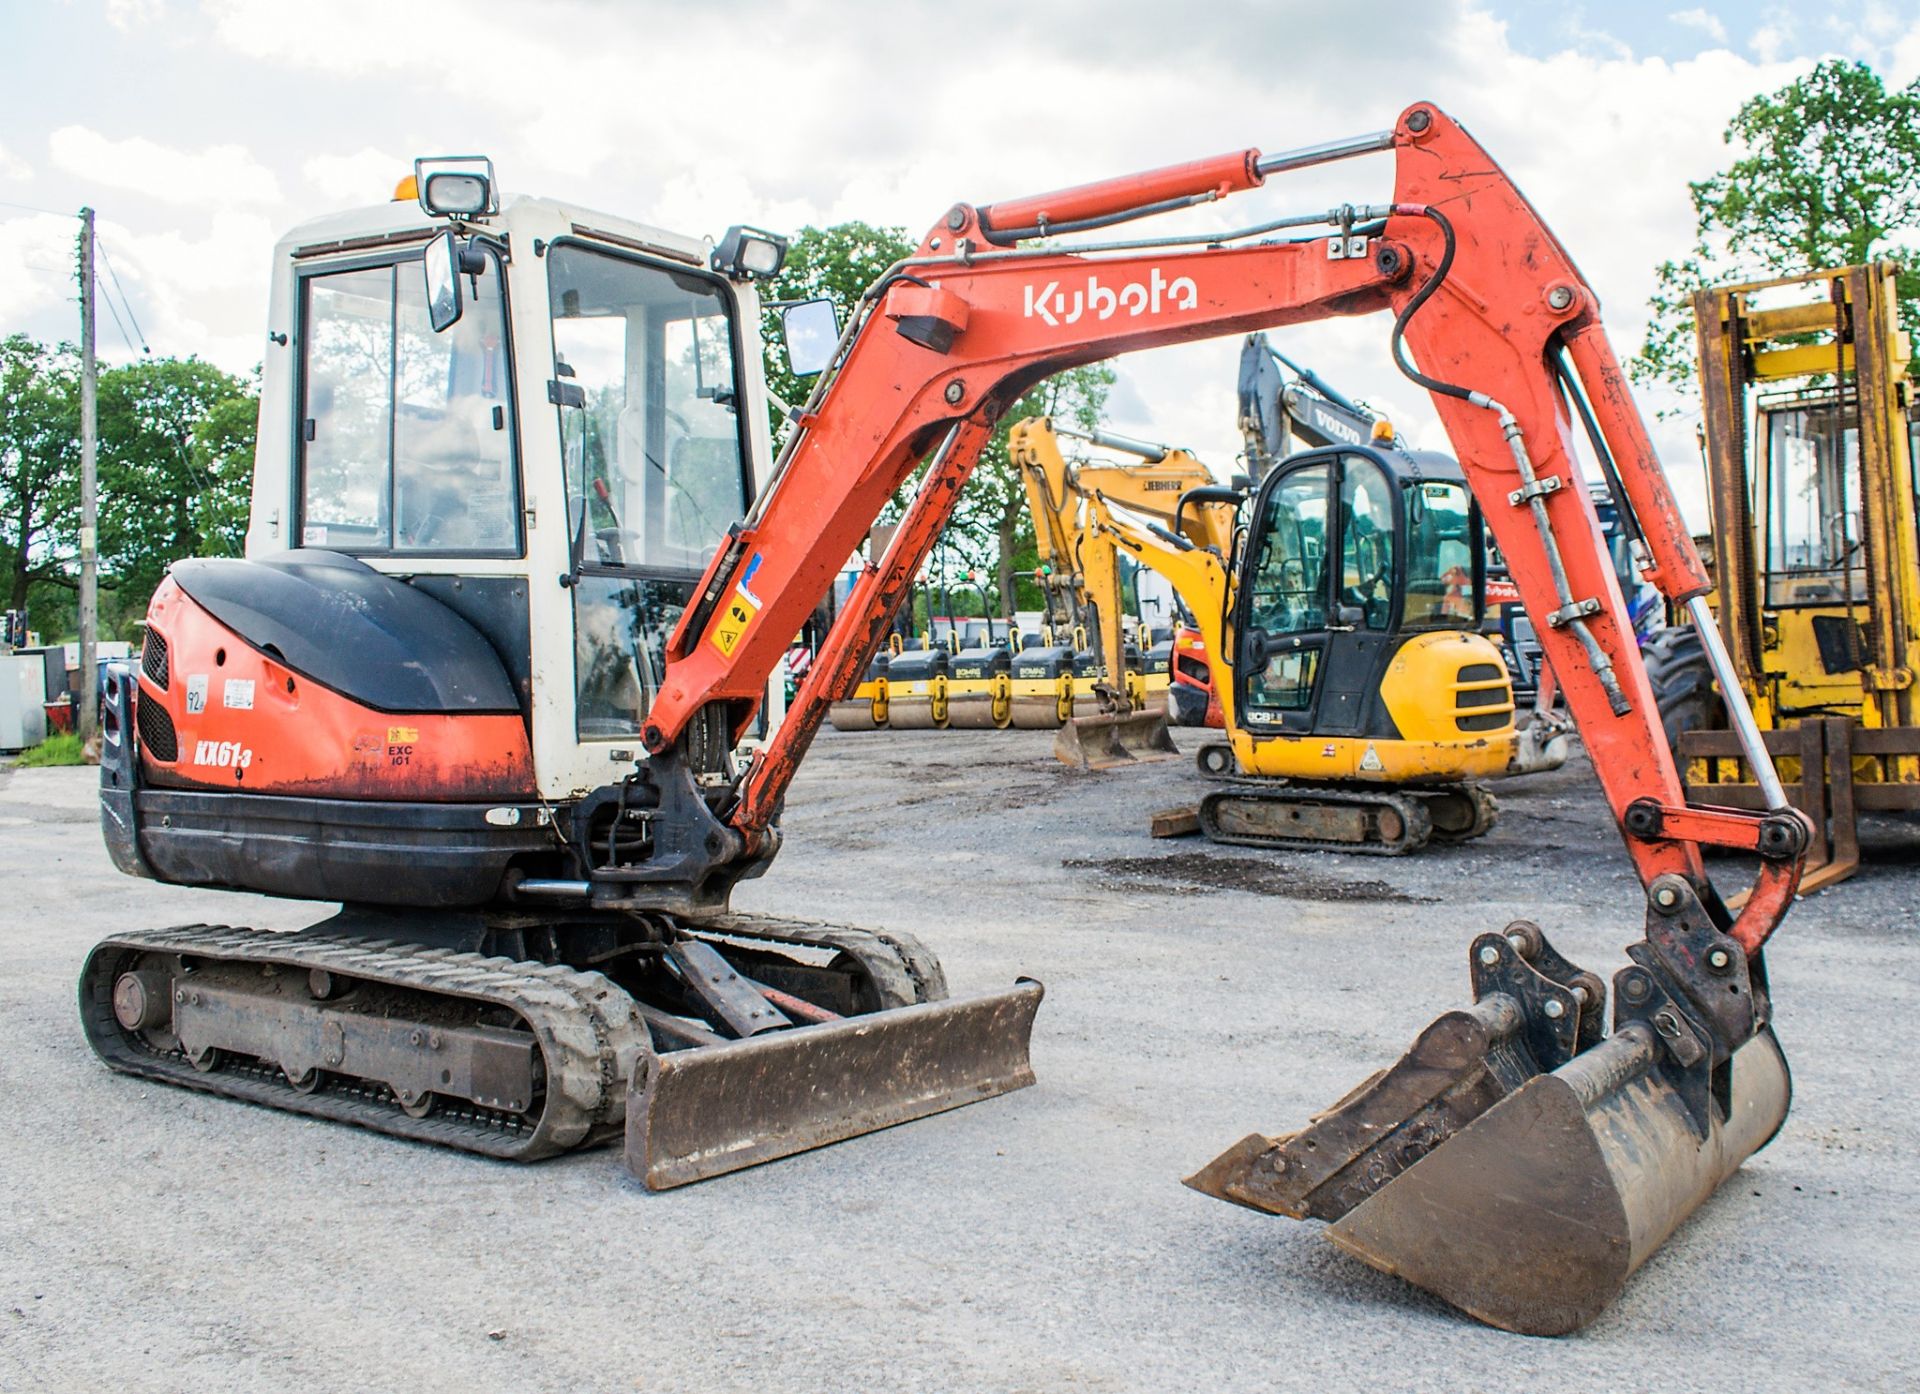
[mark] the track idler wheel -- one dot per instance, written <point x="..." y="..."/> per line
<point x="1214" y="759"/>
<point x="1460" y="814"/>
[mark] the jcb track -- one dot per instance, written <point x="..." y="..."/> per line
<point x="1320" y="818"/>
<point x="583" y="1032"/>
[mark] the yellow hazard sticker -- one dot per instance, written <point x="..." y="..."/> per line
<point x="735" y="616"/>
<point x="402" y="735"/>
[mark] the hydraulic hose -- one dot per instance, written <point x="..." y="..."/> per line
<point x="1533" y="491"/>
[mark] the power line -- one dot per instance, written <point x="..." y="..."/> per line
<point x="114" y="276"/>
<point x="35" y="208"/>
<point x="108" y="301"/>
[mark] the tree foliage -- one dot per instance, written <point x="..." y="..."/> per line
<point x="175" y="459"/>
<point x="990" y="530"/>
<point x="39" y="464"/>
<point x="1830" y="176"/>
<point x="176" y="467"/>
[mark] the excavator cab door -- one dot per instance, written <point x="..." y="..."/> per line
<point x="1319" y="601"/>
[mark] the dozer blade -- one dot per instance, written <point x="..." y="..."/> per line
<point x="1104" y="741"/>
<point x="715" y="1109"/>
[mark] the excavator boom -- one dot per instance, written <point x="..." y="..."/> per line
<point x="1631" y="1129"/>
<point x="1482" y="294"/>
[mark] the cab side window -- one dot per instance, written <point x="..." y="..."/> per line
<point x="406" y="436"/>
<point x="1366" y="543"/>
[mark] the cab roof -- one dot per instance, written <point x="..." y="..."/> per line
<point x="403" y="220"/>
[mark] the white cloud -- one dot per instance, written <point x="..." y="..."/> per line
<point x="1769" y="41"/>
<point x="126" y="15"/>
<point x="1706" y="23"/>
<point x="216" y="176"/>
<point x="1903" y="67"/>
<point x="347" y="181"/>
<point x="13" y="168"/>
<point x="37" y="272"/>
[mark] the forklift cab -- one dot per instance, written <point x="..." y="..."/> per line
<point x="1350" y="549"/>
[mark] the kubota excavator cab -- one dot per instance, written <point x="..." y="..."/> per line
<point x="499" y="443"/>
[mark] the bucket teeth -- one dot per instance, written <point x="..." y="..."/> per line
<point x="1459" y="1067"/>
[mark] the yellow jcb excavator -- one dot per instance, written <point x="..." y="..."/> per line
<point x="1067" y="500"/>
<point x="1393" y="707"/>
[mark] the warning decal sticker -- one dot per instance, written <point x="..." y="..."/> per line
<point x="735" y="616"/>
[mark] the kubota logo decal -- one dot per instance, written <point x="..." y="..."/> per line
<point x="1056" y="306"/>
<point x="225" y="754"/>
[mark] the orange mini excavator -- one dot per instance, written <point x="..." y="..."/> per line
<point x="485" y="674"/>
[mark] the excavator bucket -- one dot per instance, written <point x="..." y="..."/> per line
<point x="1101" y="742"/>
<point x="692" y="1114"/>
<point x="1526" y="1196"/>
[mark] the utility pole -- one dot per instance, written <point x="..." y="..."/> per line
<point x="89" y="503"/>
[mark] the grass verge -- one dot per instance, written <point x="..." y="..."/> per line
<point x="62" y="748"/>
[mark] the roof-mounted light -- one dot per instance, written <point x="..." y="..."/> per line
<point x="456" y="186"/>
<point x="747" y="253"/>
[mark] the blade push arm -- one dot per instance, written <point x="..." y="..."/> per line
<point x="1483" y="296"/>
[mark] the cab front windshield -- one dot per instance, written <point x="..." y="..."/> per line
<point x="650" y="434"/>
<point x="649" y="416"/>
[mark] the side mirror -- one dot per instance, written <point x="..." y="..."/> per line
<point x="1256" y="650"/>
<point x="812" y="331"/>
<point x="442" y="265"/>
<point x="1351" y="616"/>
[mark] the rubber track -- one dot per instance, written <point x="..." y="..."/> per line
<point x="1416" y="826"/>
<point x="1486" y="812"/>
<point x="588" y="1032"/>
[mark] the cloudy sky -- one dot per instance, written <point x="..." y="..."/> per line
<point x="199" y="131"/>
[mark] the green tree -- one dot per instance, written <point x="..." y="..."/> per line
<point x="838" y="263"/>
<point x="39" y="471"/>
<point x="993" y="526"/>
<point x="1830" y="176"/>
<point x="176" y="465"/>
<point x="990" y="528"/>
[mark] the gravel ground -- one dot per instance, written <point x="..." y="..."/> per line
<point x="158" y="1239"/>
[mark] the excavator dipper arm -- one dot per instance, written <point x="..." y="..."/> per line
<point x="1521" y="1160"/>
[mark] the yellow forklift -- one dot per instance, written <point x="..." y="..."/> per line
<point x="1810" y="440"/>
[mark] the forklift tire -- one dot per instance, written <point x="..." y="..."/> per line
<point x="1682" y="683"/>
